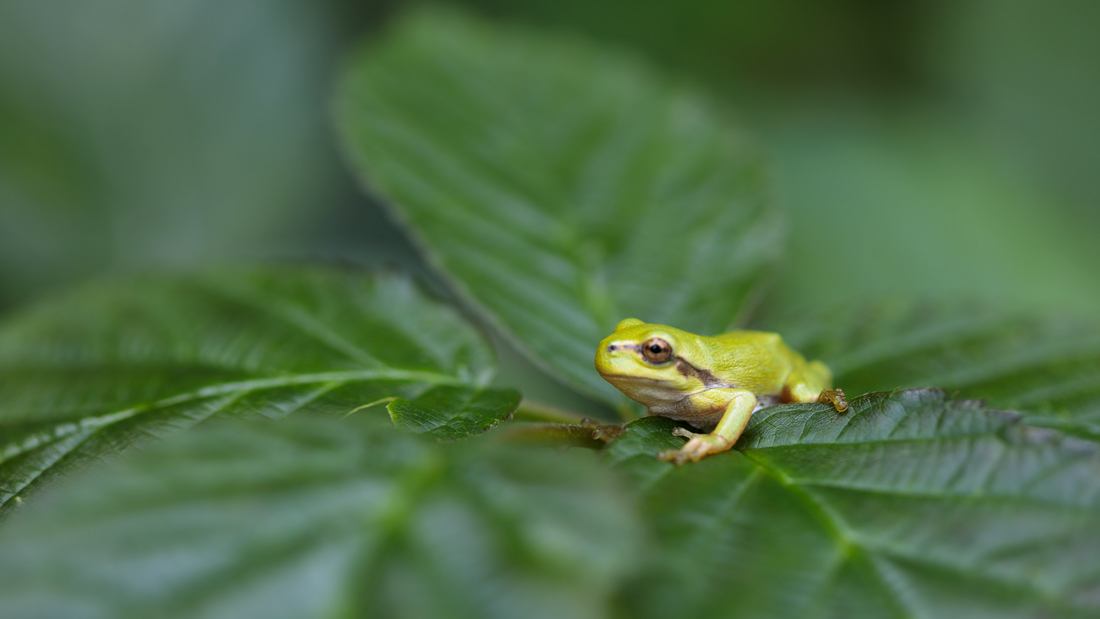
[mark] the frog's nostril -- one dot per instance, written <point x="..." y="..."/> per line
<point x="611" y="348"/>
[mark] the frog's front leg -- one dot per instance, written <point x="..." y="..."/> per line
<point x="738" y="409"/>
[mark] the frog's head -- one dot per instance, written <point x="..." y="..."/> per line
<point x="651" y="363"/>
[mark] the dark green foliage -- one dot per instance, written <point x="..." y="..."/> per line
<point x="450" y="413"/>
<point x="911" y="504"/>
<point x="120" y="362"/>
<point x="319" y="517"/>
<point x="563" y="187"/>
<point x="1047" y="367"/>
<point x="558" y="188"/>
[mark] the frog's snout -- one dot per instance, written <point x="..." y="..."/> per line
<point x="606" y="353"/>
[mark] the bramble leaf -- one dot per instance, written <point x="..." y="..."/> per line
<point x="910" y="505"/>
<point x="562" y="188"/>
<point x="450" y="413"/>
<point x="315" y="517"/>
<point x="119" y="362"/>
<point x="1047" y="367"/>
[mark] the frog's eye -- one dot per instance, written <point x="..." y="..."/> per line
<point x="656" y="350"/>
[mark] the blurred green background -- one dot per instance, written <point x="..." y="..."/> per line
<point x="935" y="149"/>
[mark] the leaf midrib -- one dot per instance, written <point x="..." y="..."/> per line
<point x="91" y="424"/>
<point x="849" y="544"/>
<point x="836" y="527"/>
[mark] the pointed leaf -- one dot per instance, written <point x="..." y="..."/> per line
<point x="119" y="362"/>
<point x="562" y="188"/>
<point x="450" y="413"/>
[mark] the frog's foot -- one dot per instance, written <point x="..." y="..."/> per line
<point x="601" y="432"/>
<point x="834" y="397"/>
<point x="698" y="447"/>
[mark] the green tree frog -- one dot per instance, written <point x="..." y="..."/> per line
<point x="713" y="383"/>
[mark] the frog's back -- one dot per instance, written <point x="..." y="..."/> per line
<point x="768" y="350"/>
<point x="763" y="345"/>
<point x="757" y="339"/>
<point x="758" y="361"/>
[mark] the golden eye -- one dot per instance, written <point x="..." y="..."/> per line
<point x="656" y="350"/>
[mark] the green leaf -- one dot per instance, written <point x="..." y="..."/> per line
<point x="118" y="362"/>
<point x="563" y="188"/>
<point x="450" y="413"/>
<point x="313" y="517"/>
<point x="642" y="438"/>
<point x="1045" y="366"/>
<point x="911" y="505"/>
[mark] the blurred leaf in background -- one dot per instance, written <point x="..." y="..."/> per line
<point x="954" y="143"/>
<point x="1023" y="74"/>
<point x="940" y="149"/>
<point x="913" y="503"/>
<point x="315" y="517"/>
<point x="882" y="206"/>
<point x="136" y="134"/>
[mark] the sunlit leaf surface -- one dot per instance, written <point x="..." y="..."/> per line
<point x="119" y="362"/>
<point x="314" y="517"/>
<point x="561" y="187"/>
<point x="910" y="505"/>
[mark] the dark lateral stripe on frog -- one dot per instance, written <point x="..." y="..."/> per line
<point x="688" y="370"/>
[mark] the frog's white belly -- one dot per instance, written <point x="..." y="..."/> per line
<point x="703" y="419"/>
<point x="653" y="394"/>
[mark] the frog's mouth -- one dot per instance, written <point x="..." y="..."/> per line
<point x="630" y="378"/>
<point x="648" y="391"/>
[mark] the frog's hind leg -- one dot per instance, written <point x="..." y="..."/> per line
<point x="813" y="383"/>
<point x="835" y="397"/>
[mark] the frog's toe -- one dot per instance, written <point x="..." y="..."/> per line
<point x="835" y="397"/>
<point x="680" y="456"/>
<point x="671" y="455"/>
<point x="699" y="447"/>
<point x="841" y="401"/>
<point x="684" y="432"/>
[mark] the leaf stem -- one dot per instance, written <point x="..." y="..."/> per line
<point x="559" y="434"/>
<point x="533" y="410"/>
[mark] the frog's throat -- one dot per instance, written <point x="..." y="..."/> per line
<point x="649" y="391"/>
